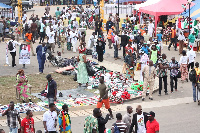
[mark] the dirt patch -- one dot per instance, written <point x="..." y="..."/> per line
<point x="38" y="82"/>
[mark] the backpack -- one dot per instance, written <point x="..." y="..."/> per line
<point x="116" y="129"/>
<point x="10" y="46"/>
<point x="26" y="27"/>
<point x="113" y="39"/>
<point x="90" y="124"/>
<point x="192" y="76"/>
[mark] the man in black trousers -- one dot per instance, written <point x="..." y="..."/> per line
<point x="124" y="42"/>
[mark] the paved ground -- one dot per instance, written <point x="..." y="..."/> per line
<point x="176" y="112"/>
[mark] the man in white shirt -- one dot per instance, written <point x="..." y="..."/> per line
<point x="13" y="49"/>
<point x="150" y="29"/>
<point x="191" y="56"/>
<point x="115" y="45"/>
<point x="74" y="36"/>
<point x="139" y="121"/>
<point x="50" y="119"/>
<point x="24" y="16"/>
<point x="50" y="38"/>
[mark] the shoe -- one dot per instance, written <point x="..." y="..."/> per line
<point x="142" y="99"/>
<point x="115" y="58"/>
<point x="168" y="48"/>
<point x="159" y="94"/>
<point x="166" y="93"/>
<point x="172" y="92"/>
<point x="195" y="101"/>
<point x="151" y="98"/>
<point x="187" y="80"/>
<point x="175" y="89"/>
<point x="175" y="49"/>
<point x="198" y="102"/>
<point x="33" y="54"/>
<point x="118" y="58"/>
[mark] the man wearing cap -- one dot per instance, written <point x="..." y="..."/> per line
<point x="152" y="125"/>
<point x="139" y="121"/>
<point x="41" y="56"/>
<point x="51" y="89"/>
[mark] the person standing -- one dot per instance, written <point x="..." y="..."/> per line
<point x="143" y="61"/>
<point x="50" y="38"/>
<point x="12" y="118"/>
<point x="104" y="99"/>
<point x="151" y="29"/>
<point x="109" y="37"/>
<point x="42" y="32"/>
<point x="149" y="75"/>
<point x="184" y="66"/>
<point x="124" y="42"/>
<point x="139" y="121"/>
<point x="196" y="84"/>
<point x="51" y="89"/>
<point x="162" y="73"/>
<point x="191" y="39"/>
<point x="153" y="54"/>
<point x="109" y="24"/>
<point x="173" y="67"/>
<point x="41" y="56"/>
<point x="100" y="48"/>
<point x="82" y="75"/>
<point x="191" y="56"/>
<point x="181" y="39"/>
<point x="122" y="128"/>
<point x="64" y="120"/>
<point x="50" y="119"/>
<point x="152" y="125"/>
<point x="27" y="124"/>
<point x="146" y="35"/>
<point x="98" y="26"/>
<point x="127" y="117"/>
<point x="34" y="29"/>
<point x="130" y="63"/>
<point x="63" y="40"/>
<point x="74" y="37"/>
<point x="173" y="38"/>
<point x="116" y="46"/>
<point x="12" y="49"/>
<point x="57" y="12"/>
<point x="29" y="37"/>
<point x="101" y="121"/>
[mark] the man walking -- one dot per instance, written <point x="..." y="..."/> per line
<point x="104" y="99"/>
<point x="191" y="58"/>
<point x="127" y="117"/>
<point x="27" y="125"/>
<point x="173" y="67"/>
<point x="139" y="121"/>
<point x="116" y="46"/>
<point x="12" y="48"/>
<point x="29" y="37"/>
<point x="12" y="118"/>
<point x="51" y="37"/>
<point x="149" y="74"/>
<point x="41" y="56"/>
<point x="50" y="119"/>
<point x="152" y="125"/>
<point x="34" y="30"/>
<point x="42" y="32"/>
<point x="162" y="73"/>
<point x="173" y="38"/>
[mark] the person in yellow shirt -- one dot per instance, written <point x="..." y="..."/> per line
<point x="196" y="95"/>
<point x="78" y="19"/>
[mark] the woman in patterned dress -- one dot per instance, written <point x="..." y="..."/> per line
<point x="82" y="75"/>
<point x="22" y="86"/>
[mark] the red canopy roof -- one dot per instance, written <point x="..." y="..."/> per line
<point x="165" y="7"/>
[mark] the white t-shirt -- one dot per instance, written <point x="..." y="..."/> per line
<point x="183" y="60"/>
<point x="150" y="28"/>
<point x="141" y="124"/>
<point x="191" y="55"/>
<point x="14" y="45"/>
<point x="51" y="37"/>
<point x="116" y="38"/>
<point x="74" y="36"/>
<point x="50" y="118"/>
<point x="55" y="27"/>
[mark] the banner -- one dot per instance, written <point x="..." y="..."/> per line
<point x="24" y="54"/>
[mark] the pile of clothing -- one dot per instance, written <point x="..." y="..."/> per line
<point x="23" y="107"/>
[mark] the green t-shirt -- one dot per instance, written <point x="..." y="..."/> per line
<point x="57" y="13"/>
<point x="191" y="38"/>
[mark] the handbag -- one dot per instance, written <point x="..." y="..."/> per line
<point x="179" y="74"/>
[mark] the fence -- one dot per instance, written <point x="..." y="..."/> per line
<point x="123" y="9"/>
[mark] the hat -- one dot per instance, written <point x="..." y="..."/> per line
<point x="148" y="42"/>
<point x="151" y="113"/>
<point x="48" y="76"/>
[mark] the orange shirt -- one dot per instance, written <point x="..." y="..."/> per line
<point x="109" y="34"/>
<point x="173" y="33"/>
<point x="29" y="37"/>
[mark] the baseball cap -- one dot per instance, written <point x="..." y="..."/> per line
<point x="48" y="76"/>
<point x="151" y="113"/>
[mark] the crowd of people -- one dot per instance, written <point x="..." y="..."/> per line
<point x="141" y="48"/>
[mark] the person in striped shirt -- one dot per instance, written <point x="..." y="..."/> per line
<point x="119" y="125"/>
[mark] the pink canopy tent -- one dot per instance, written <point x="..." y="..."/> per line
<point x="164" y="7"/>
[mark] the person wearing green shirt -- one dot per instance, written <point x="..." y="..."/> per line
<point x="191" y="39"/>
<point x="57" y="13"/>
<point x="154" y="54"/>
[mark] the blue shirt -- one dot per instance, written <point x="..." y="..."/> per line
<point x="42" y="27"/>
<point x="145" y="49"/>
<point x="159" y="36"/>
